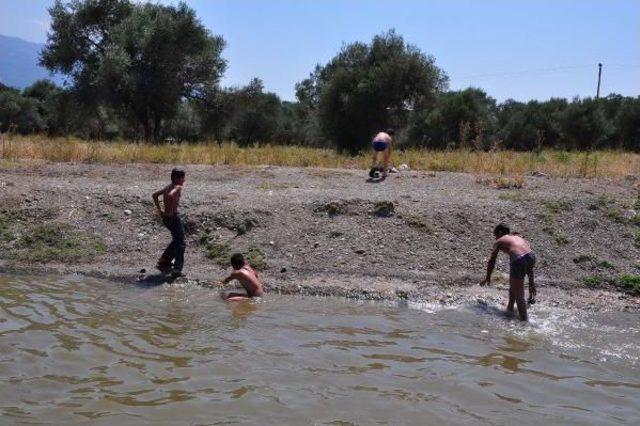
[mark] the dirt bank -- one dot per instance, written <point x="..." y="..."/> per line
<point x="319" y="231"/>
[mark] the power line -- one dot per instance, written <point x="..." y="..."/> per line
<point x="526" y="72"/>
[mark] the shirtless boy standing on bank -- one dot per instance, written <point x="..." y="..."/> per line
<point x="171" y="200"/>
<point x="244" y="273"/>
<point x="522" y="263"/>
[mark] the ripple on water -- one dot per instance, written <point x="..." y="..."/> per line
<point x="75" y="349"/>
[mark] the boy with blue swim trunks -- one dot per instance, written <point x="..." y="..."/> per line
<point x="382" y="143"/>
<point x="522" y="262"/>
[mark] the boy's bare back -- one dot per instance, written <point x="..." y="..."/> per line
<point x="513" y="245"/>
<point x="248" y="278"/>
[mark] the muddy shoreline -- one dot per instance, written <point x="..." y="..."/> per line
<point x="416" y="236"/>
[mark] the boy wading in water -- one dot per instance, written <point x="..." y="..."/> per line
<point x="244" y="273"/>
<point x="382" y="143"/>
<point x="171" y="199"/>
<point x="522" y="263"/>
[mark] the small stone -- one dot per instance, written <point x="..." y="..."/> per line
<point x="127" y="212"/>
<point x="315" y="245"/>
<point x="403" y="167"/>
<point x="271" y="243"/>
<point x="359" y="251"/>
<point x="283" y="270"/>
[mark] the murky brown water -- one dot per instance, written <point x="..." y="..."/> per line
<point x="74" y="350"/>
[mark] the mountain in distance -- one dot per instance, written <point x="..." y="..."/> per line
<point x="19" y="63"/>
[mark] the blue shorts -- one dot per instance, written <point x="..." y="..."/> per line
<point x="520" y="265"/>
<point x="379" y="145"/>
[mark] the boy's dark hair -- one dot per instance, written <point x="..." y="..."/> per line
<point x="177" y="174"/>
<point x="390" y="132"/>
<point x="237" y="261"/>
<point x="501" y="230"/>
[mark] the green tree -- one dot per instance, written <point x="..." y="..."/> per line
<point x="584" y="125"/>
<point x="19" y="113"/>
<point x="458" y="117"/>
<point x="627" y="123"/>
<point x="254" y="114"/>
<point x="52" y="105"/>
<point x="368" y="87"/>
<point x="530" y="126"/>
<point x="140" y="59"/>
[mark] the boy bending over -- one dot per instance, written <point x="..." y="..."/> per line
<point x="521" y="264"/>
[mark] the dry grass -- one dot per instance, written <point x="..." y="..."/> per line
<point x="609" y="163"/>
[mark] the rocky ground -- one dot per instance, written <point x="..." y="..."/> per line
<point x="419" y="236"/>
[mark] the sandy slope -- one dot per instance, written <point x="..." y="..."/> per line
<point x="433" y="246"/>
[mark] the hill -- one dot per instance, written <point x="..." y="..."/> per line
<point x="19" y="63"/>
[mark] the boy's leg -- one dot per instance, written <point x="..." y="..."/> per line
<point x="517" y="286"/>
<point x="236" y="297"/>
<point x="169" y="253"/>
<point x="180" y="244"/>
<point x="512" y="299"/>
<point x="387" y="157"/>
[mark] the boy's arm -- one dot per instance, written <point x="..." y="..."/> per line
<point x="156" y="201"/>
<point x="231" y="277"/>
<point x="491" y="265"/>
<point x="174" y="191"/>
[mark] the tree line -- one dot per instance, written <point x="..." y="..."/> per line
<point x="152" y="72"/>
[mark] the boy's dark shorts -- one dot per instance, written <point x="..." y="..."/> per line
<point x="521" y="265"/>
<point x="379" y="145"/>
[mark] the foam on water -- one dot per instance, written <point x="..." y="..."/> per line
<point x="568" y="331"/>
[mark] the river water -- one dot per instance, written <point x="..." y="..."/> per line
<point x="78" y="350"/>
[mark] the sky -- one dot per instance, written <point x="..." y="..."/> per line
<point x="511" y="49"/>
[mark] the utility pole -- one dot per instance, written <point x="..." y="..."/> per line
<point x="599" y="76"/>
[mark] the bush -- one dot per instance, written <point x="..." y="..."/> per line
<point x="58" y="243"/>
<point x="583" y="125"/>
<point x="465" y="118"/>
<point x="256" y="258"/>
